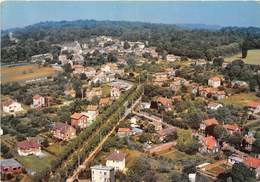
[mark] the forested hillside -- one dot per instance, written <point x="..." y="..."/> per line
<point x="37" y="39"/>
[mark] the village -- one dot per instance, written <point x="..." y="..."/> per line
<point x="172" y="113"/>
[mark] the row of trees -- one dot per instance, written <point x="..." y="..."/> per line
<point x="88" y="139"/>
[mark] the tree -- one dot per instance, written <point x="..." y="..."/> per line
<point x="218" y="61"/>
<point x="220" y="132"/>
<point x="138" y="169"/>
<point x="240" y="173"/>
<point x="178" y="177"/>
<point x="126" y="45"/>
<point x="186" y="142"/>
<point x="68" y="68"/>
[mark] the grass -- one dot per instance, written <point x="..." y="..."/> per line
<point x="178" y="155"/>
<point x="25" y="72"/>
<point x="55" y="149"/>
<point x="253" y="57"/>
<point x="240" y="99"/>
<point x="35" y="163"/>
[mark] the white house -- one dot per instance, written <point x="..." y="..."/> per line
<point x="116" y="159"/>
<point x="11" y="106"/>
<point x="30" y="146"/>
<point x="101" y="173"/>
<point x="38" y="102"/>
<point x="115" y="92"/>
<point x="214" y="106"/>
<point x="215" y="81"/>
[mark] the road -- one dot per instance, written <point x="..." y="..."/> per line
<point x="92" y="155"/>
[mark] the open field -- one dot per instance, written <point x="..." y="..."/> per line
<point x="25" y="72"/>
<point x="253" y="57"/>
<point x="37" y="164"/>
<point x="241" y="99"/>
<point x="56" y="149"/>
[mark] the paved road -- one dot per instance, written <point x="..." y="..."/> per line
<point x="92" y="155"/>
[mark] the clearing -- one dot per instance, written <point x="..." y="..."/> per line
<point x="253" y="57"/>
<point x="37" y="164"/>
<point x="240" y="99"/>
<point x="25" y="72"/>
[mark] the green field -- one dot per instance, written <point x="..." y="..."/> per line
<point x="37" y="164"/>
<point x="241" y="99"/>
<point x="253" y="57"/>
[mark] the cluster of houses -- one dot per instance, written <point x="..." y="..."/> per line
<point x="115" y="161"/>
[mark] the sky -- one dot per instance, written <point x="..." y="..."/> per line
<point x="23" y="13"/>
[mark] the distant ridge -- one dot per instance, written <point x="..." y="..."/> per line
<point x="199" y="26"/>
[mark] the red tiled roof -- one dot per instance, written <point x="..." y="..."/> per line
<point x="233" y="127"/>
<point x="164" y="101"/>
<point x="7" y="102"/>
<point x="252" y="162"/>
<point x="76" y="115"/>
<point x="253" y="104"/>
<point x="209" y="141"/>
<point x="124" y="130"/>
<point x="215" y="78"/>
<point x="210" y="122"/>
<point x="28" y="144"/>
<point x="104" y="101"/>
<point x="116" y="156"/>
<point x="37" y="97"/>
<point x="62" y="127"/>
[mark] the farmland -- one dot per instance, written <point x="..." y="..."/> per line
<point x="25" y="72"/>
<point x="253" y="57"/>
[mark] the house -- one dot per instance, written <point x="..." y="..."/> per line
<point x="214" y="106"/>
<point x="41" y="58"/>
<point x="178" y="83"/>
<point x="208" y="92"/>
<point x="38" y="102"/>
<point x="10" y="166"/>
<point x="78" y="69"/>
<point x="116" y="159"/>
<point x="176" y="98"/>
<point x="208" y="123"/>
<point x="79" y="119"/>
<point x="239" y="84"/>
<point x="101" y="173"/>
<point x="30" y="146"/>
<point x="166" y="132"/>
<point x="254" y="106"/>
<point x="94" y="92"/>
<point x="92" y="112"/>
<point x="248" y="141"/>
<point x="165" y="102"/>
<point x="104" y="101"/>
<point x="109" y="67"/>
<point x="214" y="81"/>
<point x="253" y="164"/>
<point x="123" y="132"/>
<point x="115" y="92"/>
<point x="232" y="128"/>
<point x="211" y="172"/>
<point x="70" y="92"/>
<point x="234" y="159"/>
<point x="11" y="106"/>
<point x="63" y="131"/>
<point x="63" y="59"/>
<point x="209" y="145"/>
<point x="157" y="149"/>
<point x="172" y="58"/>
<point x="160" y="78"/>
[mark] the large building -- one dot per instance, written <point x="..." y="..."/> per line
<point x="101" y="173"/>
<point x="10" y="166"/>
<point x="63" y="131"/>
